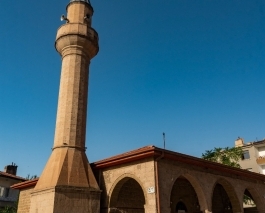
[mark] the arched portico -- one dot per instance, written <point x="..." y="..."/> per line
<point x="127" y="196"/>
<point x="252" y="193"/>
<point x="187" y="193"/>
<point x="224" y="198"/>
<point x="158" y="183"/>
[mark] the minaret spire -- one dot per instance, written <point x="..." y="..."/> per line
<point x="67" y="183"/>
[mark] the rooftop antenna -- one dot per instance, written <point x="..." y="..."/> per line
<point x="164" y="139"/>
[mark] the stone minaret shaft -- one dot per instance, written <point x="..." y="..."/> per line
<point x="67" y="174"/>
<point x="71" y="114"/>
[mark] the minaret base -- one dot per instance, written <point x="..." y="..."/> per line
<point x="67" y="185"/>
<point x="65" y="199"/>
<point x="67" y="167"/>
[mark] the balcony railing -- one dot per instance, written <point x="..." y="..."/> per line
<point x="261" y="160"/>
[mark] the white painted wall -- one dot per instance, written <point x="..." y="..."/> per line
<point x="261" y="151"/>
<point x="263" y="169"/>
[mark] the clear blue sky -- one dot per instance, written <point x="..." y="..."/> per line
<point x="192" y="69"/>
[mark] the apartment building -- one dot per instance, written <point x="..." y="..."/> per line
<point x="8" y="177"/>
<point x="253" y="158"/>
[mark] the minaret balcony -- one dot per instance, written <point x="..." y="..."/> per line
<point x="78" y="29"/>
<point x="73" y="34"/>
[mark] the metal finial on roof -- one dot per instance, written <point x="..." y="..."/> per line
<point x="87" y="1"/>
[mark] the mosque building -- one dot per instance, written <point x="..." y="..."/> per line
<point x="146" y="180"/>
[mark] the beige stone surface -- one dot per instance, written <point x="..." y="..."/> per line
<point x="69" y="167"/>
<point x="65" y="199"/>
<point x="24" y="200"/>
<point x="76" y="12"/>
<point x="142" y="171"/>
<point x="203" y="182"/>
<point x="177" y="181"/>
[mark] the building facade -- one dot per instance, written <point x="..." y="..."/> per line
<point x="8" y="196"/>
<point x="146" y="180"/>
<point x="154" y="180"/>
<point x="253" y="158"/>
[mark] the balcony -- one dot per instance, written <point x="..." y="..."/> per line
<point x="261" y="160"/>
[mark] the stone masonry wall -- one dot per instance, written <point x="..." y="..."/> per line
<point x="24" y="200"/>
<point x="143" y="171"/>
<point x="204" y="180"/>
<point x="129" y="197"/>
<point x="184" y="192"/>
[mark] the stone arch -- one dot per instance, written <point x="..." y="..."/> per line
<point x="197" y="187"/>
<point x="120" y="199"/>
<point x="199" y="191"/>
<point x="228" y="188"/>
<point x="256" y="197"/>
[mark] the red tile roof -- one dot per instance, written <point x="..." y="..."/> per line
<point x="143" y="152"/>
<point x="155" y="152"/>
<point x="259" y="142"/>
<point x="25" y="184"/>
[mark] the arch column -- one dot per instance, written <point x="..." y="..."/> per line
<point x="208" y="198"/>
<point x="198" y="190"/>
<point x="231" y="194"/>
<point x="258" y="199"/>
<point x="150" y="209"/>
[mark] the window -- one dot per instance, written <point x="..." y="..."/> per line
<point x="2" y="191"/>
<point x="245" y="155"/>
<point x="7" y="192"/>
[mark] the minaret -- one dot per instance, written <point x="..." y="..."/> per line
<point x="67" y="183"/>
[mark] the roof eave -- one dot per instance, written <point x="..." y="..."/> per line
<point x="154" y="152"/>
<point x="12" y="177"/>
<point x="25" y="184"/>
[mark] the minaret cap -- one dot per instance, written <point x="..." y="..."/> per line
<point x="87" y="1"/>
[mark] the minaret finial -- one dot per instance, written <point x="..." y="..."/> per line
<point x="87" y="1"/>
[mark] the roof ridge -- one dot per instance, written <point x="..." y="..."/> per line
<point x="11" y="175"/>
<point x="149" y="147"/>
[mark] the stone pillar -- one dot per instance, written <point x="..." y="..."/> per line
<point x="150" y="209"/>
<point x="67" y="183"/>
